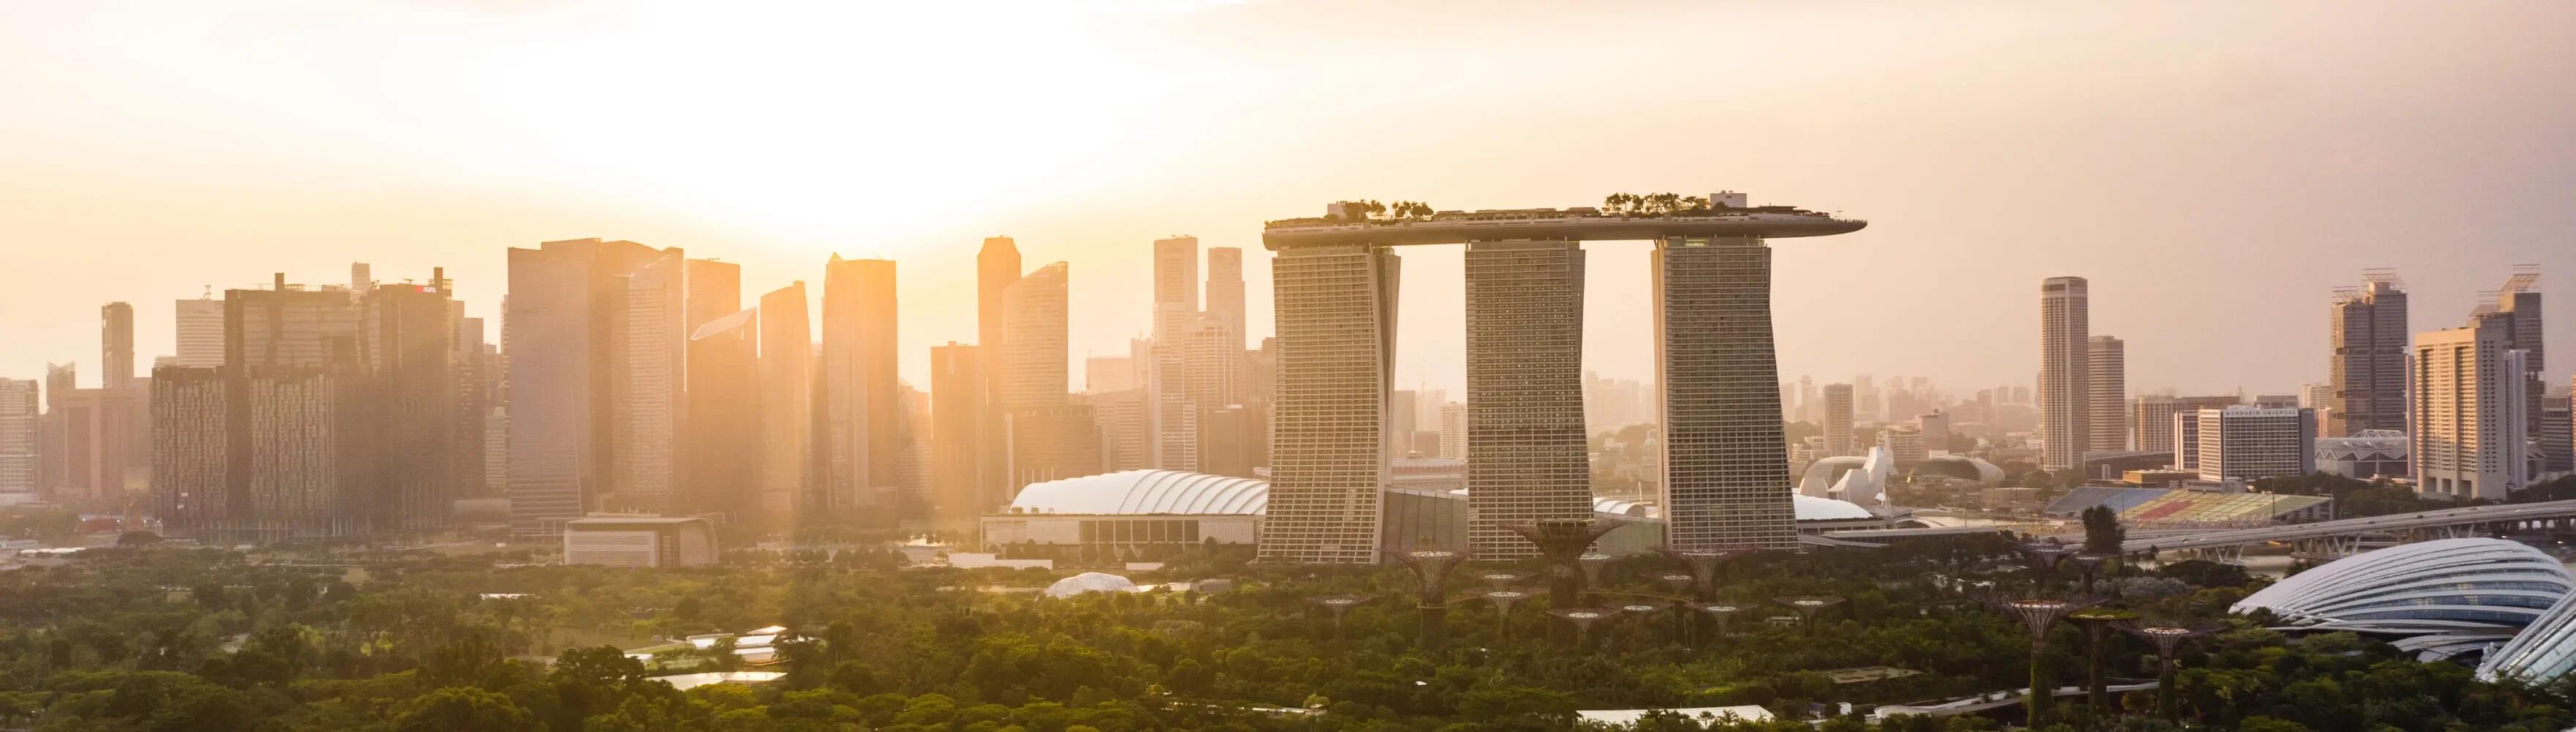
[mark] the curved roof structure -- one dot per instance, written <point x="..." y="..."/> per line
<point x="1811" y="508"/>
<point x="1821" y="476"/>
<point x="1961" y="467"/>
<point x="1624" y="507"/>
<point x="1145" y="492"/>
<point x="2543" y="652"/>
<point x="2438" y="598"/>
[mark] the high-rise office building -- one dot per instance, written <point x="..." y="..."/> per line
<point x="1212" y="365"/>
<point x="404" y="444"/>
<point x="19" y="410"/>
<point x="361" y="277"/>
<point x="863" y="409"/>
<point x="2152" y="419"/>
<point x="1838" y="421"/>
<point x="1125" y="427"/>
<point x="2516" y="311"/>
<point x="1526" y="447"/>
<point x="1336" y="308"/>
<point x="1105" y="374"/>
<point x="714" y="291"/>
<point x="2065" y="391"/>
<point x="2106" y="379"/>
<point x="721" y="450"/>
<point x="649" y="370"/>
<point x="2557" y="435"/>
<point x="1453" y="431"/>
<point x="997" y="271"/>
<point x="1936" y="431"/>
<point x="116" y="346"/>
<point x="1176" y="307"/>
<point x="1225" y="289"/>
<point x="2249" y="443"/>
<point x="2468" y="400"/>
<point x="1035" y="322"/>
<point x="957" y="414"/>
<point x="563" y="330"/>
<point x="201" y="333"/>
<point x="2366" y="380"/>
<point x="786" y="401"/>
<point x="1176" y="287"/>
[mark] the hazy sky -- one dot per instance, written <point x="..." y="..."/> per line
<point x="2214" y="168"/>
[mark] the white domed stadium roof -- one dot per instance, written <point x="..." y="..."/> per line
<point x="1146" y="492"/>
<point x="1089" y="582"/>
<point x="2440" y="597"/>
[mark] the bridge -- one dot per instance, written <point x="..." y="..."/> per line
<point x="1994" y="700"/>
<point x="2321" y="540"/>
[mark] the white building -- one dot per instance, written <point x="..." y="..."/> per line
<point x="640" y="541"/>
<point x="2467" y="400"/>
<point x="2249" y="443"/>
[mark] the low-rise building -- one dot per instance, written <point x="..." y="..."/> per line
<point x="640" y="541"/>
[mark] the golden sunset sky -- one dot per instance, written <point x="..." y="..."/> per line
<point x="2214" y="168"/>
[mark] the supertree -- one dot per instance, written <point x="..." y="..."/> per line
<point x="1593" y="564"/>
<point x="1500" y="580"/>
<point x="1679" y="583"/>
<point x="1583" y="618"/>
<point x="1338" y="605"/>
<point x="1431" y="569"/>
<point x="2168" y="639"/>
<point x="2089" y="565"/>
<point x="1703" y="565"/>
<point x="1718" y="611"/>
<point x="1645" y="611"/>
<point x="2039" y="614"/>
<point x="2043" y="557"/>
<point x="1503" y="600"/>
<point x="2097" y="622"/>
<point x="1808" y="606"/>
<point x="1562" y="543"/>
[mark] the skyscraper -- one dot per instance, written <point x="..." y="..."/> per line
<point x="1526" y="447"/>
<point x="1336" y="309"/>
<point x="52" y="464"/>
<point x="2367" y="371"/>
<point x="997" y="269"/>
<point x="786" y="400"/>
<point x="714" y="291"/>
<point x="116" y="346"/>
<point x="1838" y="421"/>
<point x="201" y="332"/>
<point x="2468" y="400"/>
<point x="2065" y="391"/>
<point x="957" y="414"/>
<point x="2154" y="421"/>
<point x="563" y="332"/>
<point x="1725" y="458"/>
<point x="18" y="416"/>
<point x="1176" y="307"/>
<point x="402" y="433"/>
<point x="1225" y="288"/>
<point x="722" y="452"/>
<point x="863" y="409"/>
<point x="649" y="371"/>
<point x="2106" y="379"/>
<point x="1048" y="439"/>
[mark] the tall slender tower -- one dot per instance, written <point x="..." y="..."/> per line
<point x="1176" y="306"/>
<point x="1225" y="288"/>
<point x="116" y="346"/>
<point x="2106" y="379"/>
<point x="651" y="379"/>
<point x="721" y="452"/>
<point x="1336" y="337"/>
<point x="2366" y="387"/>
<point x="863" y="409"/>
<point x="786" y="400"/>
<point x="1526" y="447"/>
<point x="997" y="268"/>
<point x="2065" y="391"/>
<point x="957" y="413"/>
<point x="1726" y="462"/>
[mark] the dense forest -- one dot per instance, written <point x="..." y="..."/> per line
<point x="166" y="638"/>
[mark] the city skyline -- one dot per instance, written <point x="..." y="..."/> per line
<point x="2243" y="134"/>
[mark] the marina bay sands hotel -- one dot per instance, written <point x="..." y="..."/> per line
<point x="1725" y="465"/>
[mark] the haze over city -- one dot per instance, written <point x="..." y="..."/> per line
<point x="2213" y="169"/>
